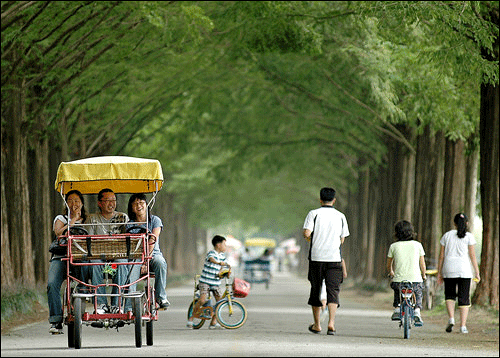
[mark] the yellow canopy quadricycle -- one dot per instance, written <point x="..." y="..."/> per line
<point x="118" y="173"/>
<point x="125" y="248"/>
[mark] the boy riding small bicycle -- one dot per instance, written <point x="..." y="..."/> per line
<point x="405" y="262"/>
<point x="210" y="279"/>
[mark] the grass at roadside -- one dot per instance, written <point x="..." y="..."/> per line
<point x="21" y="301"/>
<point x="21" y="306"/>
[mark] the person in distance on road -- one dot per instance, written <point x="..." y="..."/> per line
<point x="454" y="268"/>
<point x="209" y="279"/>
<point x="405" y="262"/>
<point x="325" y="228"/>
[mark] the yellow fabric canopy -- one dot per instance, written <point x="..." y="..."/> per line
<point x="260" y="242"/>
<point x="118" y="173"/>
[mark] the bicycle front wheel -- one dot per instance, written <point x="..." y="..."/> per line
<point x="231" y="316"/>
<point x="406" y="321"/>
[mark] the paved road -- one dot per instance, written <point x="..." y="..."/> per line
<point x="276" y="326"/>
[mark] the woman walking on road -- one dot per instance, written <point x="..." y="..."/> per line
<point x="454" y="268"/>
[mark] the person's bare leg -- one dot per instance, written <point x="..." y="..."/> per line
<point x="197" y="305"/>
<point x="464" y="312"/>
<point x="332" y="309"/>
<point x="316" y="313"/>
<point x="450" y="307"/>
<point x="214" y="320"/>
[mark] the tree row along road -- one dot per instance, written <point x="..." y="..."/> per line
<point x="277" y="326"/>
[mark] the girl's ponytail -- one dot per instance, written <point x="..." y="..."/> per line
<point x="461" y="221"/>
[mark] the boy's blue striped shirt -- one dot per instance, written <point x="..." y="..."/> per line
<point x="211" y="270"/>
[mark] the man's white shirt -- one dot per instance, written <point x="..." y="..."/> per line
<point x="328" y="226"/>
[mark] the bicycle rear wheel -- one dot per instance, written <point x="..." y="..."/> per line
<point x="406" y="321"/>
<point x="197" y="322"/>
<point x="233" y="320"/>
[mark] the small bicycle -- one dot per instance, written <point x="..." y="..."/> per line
<point x="430" y="289"/>
<point x="229" y="312"/>
<point x="407" y="298"/>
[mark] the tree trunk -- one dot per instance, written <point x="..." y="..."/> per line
<point x="396" y="182"/>
<point x="364" y="222"/>
<point x="352" y="250"/>
<point x="407" y="190"/>
<point x="428" y="192"/>
<point x="21" y="248"/>
<point x="41" y="218"/>
<point x="454" y="182"/>
<point x="472" y="160"/>
<point x="170" y="230"/>
<point x="371" y="229"/>
<point x="7" y="267"/>
<point x="180" y="236"/>
<point x="487" y="290"/>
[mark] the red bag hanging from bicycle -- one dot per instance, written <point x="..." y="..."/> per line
<point x="241" y="288"/>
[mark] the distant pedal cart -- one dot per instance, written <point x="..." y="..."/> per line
<point x="258" y="270"/>
<point x="122" y="175"/>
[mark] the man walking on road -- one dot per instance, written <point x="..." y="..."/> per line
<point x="325" y="228"/>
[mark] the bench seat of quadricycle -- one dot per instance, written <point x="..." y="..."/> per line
<point x="93" y="247"/>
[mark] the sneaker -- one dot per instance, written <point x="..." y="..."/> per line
<point x="463" y="329"/>
<point x="189" y="324"/>
<point x="102" y="309"/>
<point x="115" y="310"/>
<point x="395" y="315"/>
<point x="418" y="320"/>
<point x="56" y="328"/>
<point x="163" y="305"/>
<point x="451" y="323"/>
<point x="215" y="326"/>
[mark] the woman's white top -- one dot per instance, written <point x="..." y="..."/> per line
<point x="456" y="255"/>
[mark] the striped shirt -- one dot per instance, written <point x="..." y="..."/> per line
<point x="209" y="274"/>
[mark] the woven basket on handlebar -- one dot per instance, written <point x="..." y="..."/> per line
<point x="107" y="248"/>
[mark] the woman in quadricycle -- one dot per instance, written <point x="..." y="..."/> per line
<point x="138" y="211"/>
<point x="57" y="268"/>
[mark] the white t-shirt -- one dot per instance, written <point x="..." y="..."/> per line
<point x="328" y="225"/>
<point x="406" y="257"/>
<point x="63" y="219"/>
<point x="456" y="255"/>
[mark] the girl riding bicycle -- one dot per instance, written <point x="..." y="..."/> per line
<point x="405" y="262"/>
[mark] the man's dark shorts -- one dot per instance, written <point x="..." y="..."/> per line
<point x="331" y="272"/>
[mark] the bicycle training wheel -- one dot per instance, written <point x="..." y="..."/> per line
<point x="406" y="321"/>
<point x="197" y="322"/>
<point x="233" y="320"/>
